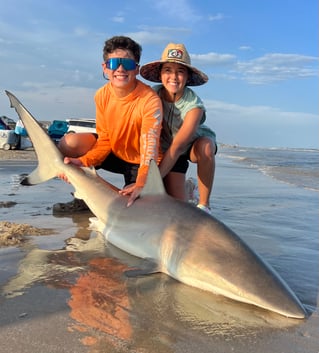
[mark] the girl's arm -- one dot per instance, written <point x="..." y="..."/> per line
<point x="183" y="137"/>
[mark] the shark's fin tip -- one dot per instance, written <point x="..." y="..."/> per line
<point x="25" y="182"/>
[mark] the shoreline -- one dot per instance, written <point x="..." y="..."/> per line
<point x="27" y="154"/>
<point x="65" y="291"/>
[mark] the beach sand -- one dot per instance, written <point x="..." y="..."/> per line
<point x="64" y="289"/>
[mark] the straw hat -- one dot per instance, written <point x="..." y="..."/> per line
<point x="174" y="53"/>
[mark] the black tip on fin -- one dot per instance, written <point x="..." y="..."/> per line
<point x="25" y="182"/>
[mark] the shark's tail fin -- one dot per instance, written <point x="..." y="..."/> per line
<point x="48" y="154"/>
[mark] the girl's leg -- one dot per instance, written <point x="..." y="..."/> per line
<point x="203" y="153"/>
<point x="175" y="185"/>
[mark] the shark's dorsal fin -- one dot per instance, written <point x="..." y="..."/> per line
<point x="154" y="183"/>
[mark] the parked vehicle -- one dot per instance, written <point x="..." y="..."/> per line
<point x="9" y="139"/>
<point x="57" y="129"/>
<point x="7" y="123"/>
<point x="81" y="125"/>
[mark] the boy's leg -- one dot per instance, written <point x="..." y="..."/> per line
<point x="76" y="144"/>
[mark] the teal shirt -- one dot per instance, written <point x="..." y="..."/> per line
<point x="174" y="115"/>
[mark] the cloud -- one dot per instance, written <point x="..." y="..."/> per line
<point x="118" y="19"/>
<point x="178" y="9"/>
<point x="147" y="37"/>
<point x="47" y="103"/>
<point x="80" y="31"/>
<point x="255" y="111"/>
<point x="217" y="17"/>
<point x="277" y="67"/>
<point x="213" y="59"/>
<point x="259" y="125"/>
<point x="163" y="34"/>
<point x="272" y="67"/>
<point x="245" y="47"/>
<point x="254" y="125"/>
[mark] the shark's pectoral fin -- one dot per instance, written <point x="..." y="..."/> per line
<point x="89" y="171"/>
<point x="147" y="267"/>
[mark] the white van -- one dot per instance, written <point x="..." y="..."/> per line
<point x="81" y="125"/>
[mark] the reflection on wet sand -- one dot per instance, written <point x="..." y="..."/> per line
<point x="52" y="266"/>
<point x="219" y="316"/>
<point x="157" y="311"/>
<point x="99" y="300"/>
<point x="81" y="222"/>
<point x="120" y="314"/>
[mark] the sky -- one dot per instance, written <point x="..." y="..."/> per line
<point x="261" y="58"/>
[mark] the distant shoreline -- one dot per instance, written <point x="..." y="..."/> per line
<point x="27" y="154"/>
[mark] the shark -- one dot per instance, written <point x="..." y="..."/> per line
<point x="171" y="236"/>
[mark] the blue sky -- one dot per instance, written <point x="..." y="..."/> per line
<point x="261" y="58"/>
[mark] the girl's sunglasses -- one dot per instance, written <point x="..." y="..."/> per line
<point x="127" y="63"/>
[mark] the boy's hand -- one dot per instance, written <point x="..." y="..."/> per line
<point x="133" y="191"/>
<point x="69" y="160"/>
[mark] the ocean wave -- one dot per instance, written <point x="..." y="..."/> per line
<point x="294" y="166"/>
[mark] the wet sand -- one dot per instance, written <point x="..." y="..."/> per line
<point x="64" y="289"/>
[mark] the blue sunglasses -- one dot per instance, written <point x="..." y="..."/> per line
<point x="127" y="63"/>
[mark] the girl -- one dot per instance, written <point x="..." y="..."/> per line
<point x="184" y="137"/>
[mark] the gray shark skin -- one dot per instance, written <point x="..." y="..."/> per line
<point x="174" y="237"/>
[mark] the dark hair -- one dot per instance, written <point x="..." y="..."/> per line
<point x="121" y="42"/>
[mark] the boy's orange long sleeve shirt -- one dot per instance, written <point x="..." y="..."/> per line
<point x="129" y="127"/>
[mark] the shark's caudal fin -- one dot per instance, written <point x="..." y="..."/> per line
<point x="154" y="183"/>
<point x="45" y="148"/>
